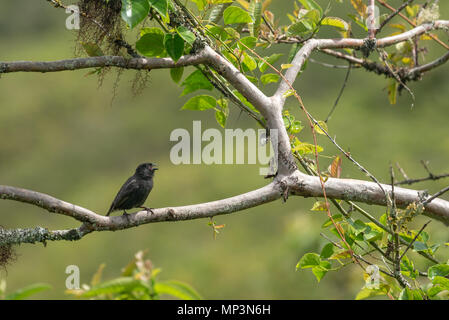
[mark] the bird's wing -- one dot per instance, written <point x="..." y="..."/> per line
<point x="126" y="191"/>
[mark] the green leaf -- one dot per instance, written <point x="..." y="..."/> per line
<point x="176" y="74"/>
<point x="296" y="127"/>
<point x="359" y="226"/>
<point x="224" y="104"/>
<point x="314" y="16"/>
<point x="309" y="260"/>
<point x="249" y="61"/>
<point x="412" y="11"/>
<point x="96" y="278"/>
<point x="252" y="79"/>
<point x="293" y="51"/>
<point x="186" y="34"/>
<point x="368" y="293"/>
<point x="232" y="33"/>
<point x="383" y="219"/>
<point x="92" y="49"/>
<point x="443" y="282"/>
<point x="218" y="31"/>
<point x="434" y="290"/>
<point x="200" y="4"/>
<point x="327" y="251"/>
<point x="310" y="4"/>
<point x="321" y="124"/>
<point x="372" y="235"/>
<point x="235" y="14"/>
<point x="219" y="1"/>
<point x="306" y="148"/>
<point x="221" y="118"/>
<point x="392" y="91"/>
<point x="118" y="285"/>
<point x="245" y="102"/>
<point x="161" y="6"/>
<point x="360" y="23"/>
<point x="134" y="11"/>
<point x="249" y="42"/>
<point x="340" y="254"/>
<point x="335" y="22"/>
<point x="321" y="270"/>
<point x="408" y="268"/>
<point x="269" y="78"/>
<point x="217" y="11"/>
<point x="271" y="60"/>
<point x="27" y="291"/>
<point x="300" y="28"/>
<point x="221" y="115"/>
<point x="441" y="270"/>
<point x="288" y="93"/>
<point x="255" y="10"/>
<point x="419" y="246"/>
<point x="200" y="103"/>
<point x="196" y="81"/>
<point x="319" y="206"/>
<point x="174" y="45"/>
<point x="151" y="42"/>
<point x="336" y="217"/>
<point x="177" y="289"/>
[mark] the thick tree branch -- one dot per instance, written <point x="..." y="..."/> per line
<point x="314" y="44"/>
<point x="370" y="193"/>
<point x="297" y="184"/>
<point x="101" y="61"/>
<point x="95" y="222"/>
<point x="288" y="180"/>
<point x="371" y="19"/>
<point x="413" y="73"/>
<point x="39" y="234"/>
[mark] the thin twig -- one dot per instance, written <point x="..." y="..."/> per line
<point x="414" y="239"/>
<point x="394" y="14"/>
<point x="436" y="195"/>
<point x="386" y="5"/>
<point x="431" y="176"/>
<point x="402" y="172"/>
<point x="329" y="65"/>
<point x="345" y="81"/>
<point x="411" y="181"/>
<point x="383" y="55"/>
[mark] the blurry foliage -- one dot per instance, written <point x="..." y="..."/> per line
<point x="136" y="282"/>
<point x="22" y="293"/>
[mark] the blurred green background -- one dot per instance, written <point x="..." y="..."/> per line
<point x="64" y="135"/>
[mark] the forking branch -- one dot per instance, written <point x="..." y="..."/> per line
<point x="289" y="178"/>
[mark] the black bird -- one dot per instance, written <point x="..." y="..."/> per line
<point x="135" y="190"/>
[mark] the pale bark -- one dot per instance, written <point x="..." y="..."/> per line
<point x="288" y="181"/>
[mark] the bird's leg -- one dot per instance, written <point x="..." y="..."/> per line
<point x="126" y="215"/>
<point x="148" y="209"/>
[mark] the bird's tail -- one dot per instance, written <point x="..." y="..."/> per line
<point x="110" y="210"/>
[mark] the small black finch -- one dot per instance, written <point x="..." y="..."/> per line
<point x="135" y="190"/>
